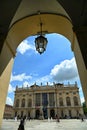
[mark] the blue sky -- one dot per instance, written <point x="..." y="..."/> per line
<point x="56" y="64"/>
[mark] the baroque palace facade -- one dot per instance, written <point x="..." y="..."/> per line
<point x="47" y="101"/>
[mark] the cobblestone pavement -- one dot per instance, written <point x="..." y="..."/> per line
<point x="67" y="124"/>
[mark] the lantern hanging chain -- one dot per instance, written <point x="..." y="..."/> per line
<point x="41" y="27"/>
<point x="40" y="22"/>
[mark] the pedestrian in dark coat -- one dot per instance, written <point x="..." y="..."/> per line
<point x="21" y="125"/>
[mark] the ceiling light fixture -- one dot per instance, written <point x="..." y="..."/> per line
<point x="41" y="42"/>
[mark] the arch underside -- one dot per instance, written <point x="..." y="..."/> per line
<point x="54" y="19"/>
<point x="29" y="26"/>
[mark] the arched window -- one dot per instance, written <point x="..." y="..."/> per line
<point x="68" y="102"/>
<point x="29" y="103"/>
<point x="75" y="101"/>
<point x="61" y="101"/>
<point x="23" y="103"/>
<point x="17" y="103"/>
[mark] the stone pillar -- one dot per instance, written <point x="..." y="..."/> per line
<point x="80" y="50"/>
<point x="41" y="105"/>
<point x="40" y="99"/>
<point x="33" y="105"/>
<point x="64" y="99"/>
<point x="48" y="105"/>
<point x="6" y="63"/>
<point x="56" y="101"/>
<point x="48" y="98"/>
<point x="26" y="101"/>
<point x="33" y="100"/>
<point x="48" y="113"/>
<point x="71" y="99"/>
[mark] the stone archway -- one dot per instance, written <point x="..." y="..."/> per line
<point x="52" y="23"/>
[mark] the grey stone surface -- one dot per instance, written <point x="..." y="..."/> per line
<point x="67" y="124"/>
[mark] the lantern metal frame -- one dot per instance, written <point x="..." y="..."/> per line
<point x="41" y="42"/>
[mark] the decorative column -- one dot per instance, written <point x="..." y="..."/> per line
<point x="80" y="51"/>
<point x="6" y="64"/>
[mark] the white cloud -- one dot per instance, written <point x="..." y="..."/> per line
<point x="43" y="80"/>
<point x="25" y="84"/>
<point x="82" y="100"/>
<point x="80" y="88"/>
<point x="10" y="89"/>
<point x="24" y="46"/>
<point x="66" y="70"/>
<point x="9" y="101"/>
<point x="20" y="77"/>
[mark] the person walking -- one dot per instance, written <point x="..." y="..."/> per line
<point x="21" y="125"/>
<point x="57" y="118"/>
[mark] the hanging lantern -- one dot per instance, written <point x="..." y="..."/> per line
<point x="41" y="42"/>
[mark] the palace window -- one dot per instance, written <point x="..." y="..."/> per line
<point x="44" y="99"/>
<point x="17" y="103"/>
<point x="68" y="101"/>
<point x="23" y="103"/>
<point x="75" y="101"/>
<point x="60" y="93"/>
<point x="61" y="101"/>
<point x="38" y="99"/>
<point x="74" y="93"/>
<point x="51" y="99"/>
<point x="29" y="103"/>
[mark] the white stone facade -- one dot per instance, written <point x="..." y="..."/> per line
<point x="48" y="101"/>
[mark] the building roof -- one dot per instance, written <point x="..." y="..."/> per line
<point x="7" y="105"/>
<point x="58" y="86"/>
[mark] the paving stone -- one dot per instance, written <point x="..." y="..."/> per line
<point x="66" y="124"/>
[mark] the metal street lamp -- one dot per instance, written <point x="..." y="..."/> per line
<point x="41" y="42"/>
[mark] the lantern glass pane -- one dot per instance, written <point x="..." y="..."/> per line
<point x="40" y="44"/>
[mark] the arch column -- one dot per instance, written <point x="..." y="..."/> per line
<point x="80" y="51"/>
<point x="6" y="60"/>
